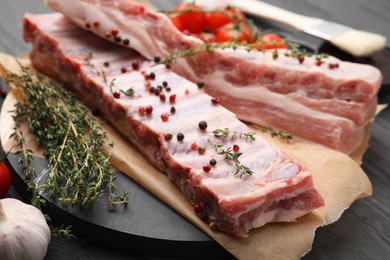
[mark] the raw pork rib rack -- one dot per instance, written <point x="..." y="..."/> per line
<point x="100" y="73"/>
<point x="328" y="103"/>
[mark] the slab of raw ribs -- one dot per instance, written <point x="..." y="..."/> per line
<point x="328" y="102"/>
<point x="170" y="120"/>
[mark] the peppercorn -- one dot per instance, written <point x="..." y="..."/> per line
<point x="206" y="168"/>
<point x="172" y="98"/>
<point x="164" y="117"/>
<point x="236" y="148"/>
<point x="157" y="59"/>
<point x="198" y="208"/>
<point x="194" y="146"/>
<point x="165" y="84"/>
<point x="187" y="92"/>
<point x="152" y="89"/>
<point x="216" y="100"/>
<point x="213" y="162"/>
<point x="301" y="59"/>
<point x="148" y="109"/>
<point x="116" y="94"/>
<point x="173" y="110"/>
<point x="202" y="125"/>
<point x="123" y="70"/>
<point x="200" y="84"/>
<point x="168" y="137"/>
<point x="180" y="136"/>
<point x="168" y="89"/>
<point x="117" y="39"/>
<point x="135" y="65"/>
<point x="106" y="64"/>
<point x="87" y="25"/>
<point x="95" y="111"/>
<point x="114" y="32"/>
<point x="152" y="75"/>
<point x="201" y="149"/>
<point x="141" y="110"/>
<point x="162" y="97"/>
<point x="333" y="65"/>
<point x="96" y="24"/>
<point x="126" y="42"/>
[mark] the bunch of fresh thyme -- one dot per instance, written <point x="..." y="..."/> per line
<point x="72" y="139"/>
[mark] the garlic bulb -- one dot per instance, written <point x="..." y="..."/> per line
<point x="24" y="233"/>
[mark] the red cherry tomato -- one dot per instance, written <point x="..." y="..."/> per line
<point x="222" y="17"/>
<point x="230" y="32"/>
<point x="5" y="180"/>
<point x="176" y="22"/>
<point x="192" y="17"/>
<point x="270" y="41"/>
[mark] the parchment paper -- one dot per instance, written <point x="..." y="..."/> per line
<point x="338" y="177"/>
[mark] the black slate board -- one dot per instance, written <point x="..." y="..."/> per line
<point x="361" y="233"/>
<point x="146" y="225"/>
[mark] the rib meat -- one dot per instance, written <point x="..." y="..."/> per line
<point x="279" y="188"/>
<point x="343" y="99"/>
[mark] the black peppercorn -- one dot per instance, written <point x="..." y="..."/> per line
<point x="180" y="136"/>
<point x="203" y="125"/>
<point x="168" y="137"/>
<point x="213" y="162"/>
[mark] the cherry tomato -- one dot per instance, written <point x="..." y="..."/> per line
<point x="222" y="17"/>
<point x="5" y="180"/>
<point x="192" y="17"/>
<point x="176" y="22"/>
<point x="240" y="32"/>
<point x="270" y="41"/>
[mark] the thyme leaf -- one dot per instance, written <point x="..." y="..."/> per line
<point x="232" y="156"/>
<point x="220" y="133"/>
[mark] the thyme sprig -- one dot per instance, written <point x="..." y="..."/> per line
<point x="294" y="51"/>
<point x="72" y="139"/>
<point x="232" y="156"/>
<point x="286" y="136"/>
<point x="220" y="133"/>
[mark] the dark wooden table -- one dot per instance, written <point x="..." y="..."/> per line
<point x="363" y="231"/>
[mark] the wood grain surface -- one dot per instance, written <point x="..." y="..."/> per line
<point x="363" y="231"/>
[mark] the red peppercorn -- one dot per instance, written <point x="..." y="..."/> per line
<point x="206" y="168"/>
<point x="236" y="148"/>
<point x="187" y="92"/>
<point x="106" y="64"/>
<point x="123" y="70"/>
<point x="162" y="96"/>
<point x="96" y="24"/>
<point x="216" y="100"/>
<point x="148" y="109"/>
<point x="172" y="98"/>
<point x="141" y="110"/>
<point x="319" y="62"/>
<point x="116" y="94"/>
<point x="198" y="208"/>
<point x="194" y="146"/>
<point x="301" y="59"/>
<point x="135" y="65"/>
<point x="114" y="32"/>
<point x="164" y="117"/>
